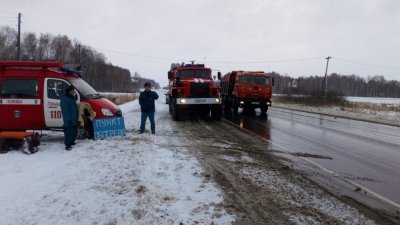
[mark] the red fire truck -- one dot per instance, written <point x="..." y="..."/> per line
<point x="191" y="87"/>
<point x="247" y="90"/>
<point x="30" y="95"/>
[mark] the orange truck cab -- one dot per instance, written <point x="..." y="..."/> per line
<point x="30" y="95"/>
<point x="247" y="90"/>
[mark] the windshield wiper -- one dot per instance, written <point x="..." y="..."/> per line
<point x="97" y="95"/>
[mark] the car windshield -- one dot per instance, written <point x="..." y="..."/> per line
<point x="84" y="88"/>
<point x="205" y="74"/>
<point x="258" y="80"/>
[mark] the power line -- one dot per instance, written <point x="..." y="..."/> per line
<point x="366" y="64"/>
<point x="140" y="56"/>
<point x="216" y="62"/>
<point x="7" y="17"/>
<point x="267" y="61"/>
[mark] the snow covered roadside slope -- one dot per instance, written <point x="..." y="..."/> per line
<point x="122" y="180"/>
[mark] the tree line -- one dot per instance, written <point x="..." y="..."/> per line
<point x="345" y="85"/>
<point x="99" y="73"/>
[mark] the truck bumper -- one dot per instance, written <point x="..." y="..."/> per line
<point x="198" y="101"/>
<point x="254" y="103"/>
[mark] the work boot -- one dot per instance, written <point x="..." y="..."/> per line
<point x="68" y="148"/>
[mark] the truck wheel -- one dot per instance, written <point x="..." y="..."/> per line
<point x="170" y="108"/>
<point x="175" y="112"/>
<point x="216" y="113"/>
<point x="264" y="109"/>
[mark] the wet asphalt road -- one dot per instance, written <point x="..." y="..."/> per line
<point x="365" y="153"/>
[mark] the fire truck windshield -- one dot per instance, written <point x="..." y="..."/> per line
<point x="257" y="80"/>
<point x="205" y="74"/>
<point x="84" y="88"/>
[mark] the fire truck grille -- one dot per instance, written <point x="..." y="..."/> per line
<point x="199" y="90"/>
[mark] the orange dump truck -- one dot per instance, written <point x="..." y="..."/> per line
<point x="247" y="90"/>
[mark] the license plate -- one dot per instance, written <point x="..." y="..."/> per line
<point x="255" y="103"/>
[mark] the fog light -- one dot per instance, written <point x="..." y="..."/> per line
<point x="217" y="100"/>
<point x="241" y="102"/>
<point x="268" y="103"/>
<point x="183" y="101"/>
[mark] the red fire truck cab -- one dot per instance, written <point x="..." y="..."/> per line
<point x="30" y="95"/>
<point x="191" y="88"/>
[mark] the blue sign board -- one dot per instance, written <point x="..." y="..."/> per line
<point x="108" y="127"/>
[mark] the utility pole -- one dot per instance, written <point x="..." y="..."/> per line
<point x="326" y="78"/>
<point x="19" y="38"/>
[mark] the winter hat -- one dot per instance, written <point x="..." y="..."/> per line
<point x="69" y="88"/>
<point x="147" y="84"/>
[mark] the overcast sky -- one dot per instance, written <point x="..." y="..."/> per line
<point x="287" y="36"/>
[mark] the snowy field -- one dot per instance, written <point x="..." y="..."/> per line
<point x="389" y="101"/>
<point x="136" y="179"/>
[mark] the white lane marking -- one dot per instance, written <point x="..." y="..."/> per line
<point x="366" y="190"/>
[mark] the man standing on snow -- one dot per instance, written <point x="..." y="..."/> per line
<point x="69" y="112"/>
<point x="146" y="101"/>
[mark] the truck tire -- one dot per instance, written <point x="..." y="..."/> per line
<point x="175" y="111"/>
<point x="264" y="109"/>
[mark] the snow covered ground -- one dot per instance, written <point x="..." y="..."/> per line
<point x="372" y="114"/>
<point x="389" y="101"/>
<point x="122" y="180"/>
<point x="141" y="179"/>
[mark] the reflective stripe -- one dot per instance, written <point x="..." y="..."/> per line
<point x="19" y="101"/>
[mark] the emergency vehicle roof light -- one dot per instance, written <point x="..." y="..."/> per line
<point x="71" y="72"/>
<point x="196" y="65"/>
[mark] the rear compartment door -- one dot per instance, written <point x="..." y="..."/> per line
<point x="20" y="103"/>
<point x="54" y="89"/>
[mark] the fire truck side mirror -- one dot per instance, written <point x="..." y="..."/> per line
<point x="273" y="81"/>
<point x="169" y="75"/>
<point x="219" y="75"/>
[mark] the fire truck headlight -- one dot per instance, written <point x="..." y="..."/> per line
<point x="183" y="101"/>
<point x="217" y="100"/>
<point x="106" y="112"/>
<point x="241" y="102"/>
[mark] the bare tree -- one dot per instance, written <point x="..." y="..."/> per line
<point x="44" y="48"/>
<point x="29" y="47"/>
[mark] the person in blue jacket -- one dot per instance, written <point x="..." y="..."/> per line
<point x="146" y="101"/>
<point x="69" y="111"/>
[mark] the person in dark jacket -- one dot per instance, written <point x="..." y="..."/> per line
<point x="69" y="112"/>
<point x="146" y="101"/>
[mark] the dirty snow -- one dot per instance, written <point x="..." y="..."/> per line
<point x="123" y="180"/>
<point x="295" y="195"/>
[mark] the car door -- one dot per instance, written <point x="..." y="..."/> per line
<point x="54" y="89"/>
